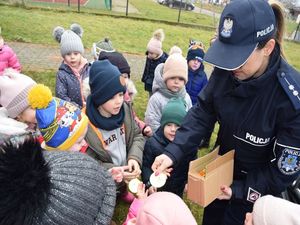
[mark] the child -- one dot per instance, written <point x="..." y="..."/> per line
<point x="53" y="187"/>
<point x="153" y="210"/>
<point x="113" y="135"/>
<point x="104" y="50"/>
<point x="172" y="117"/>
<point x="155" y="56"/>
<point x="62" y="124"/>
<point x="14" y="88"/>
<point x="197" y="78"/>
<point x="8" y="59"/>
<point x="74" y="67"/>
<point x="270" y="210"/>
<point x="169" y="82"/>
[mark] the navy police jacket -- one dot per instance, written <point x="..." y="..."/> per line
<point x="259" y="118"/>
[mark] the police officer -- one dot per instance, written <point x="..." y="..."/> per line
<point x="254" y="95"/>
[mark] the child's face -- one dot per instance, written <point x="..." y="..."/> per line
<point x="194" y="64"/>
<point x="152" y="55"/>
<point x="73" y="59"/>
<point x="112" y="106"/>
<point x="126" y="77"/>
<point x="27" y="116"/>
<point x="175" y="84"/>
<point x="80" y="142"/>
<point x="170" y="131"/>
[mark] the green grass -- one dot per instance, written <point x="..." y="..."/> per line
<point x="210" y="7"/>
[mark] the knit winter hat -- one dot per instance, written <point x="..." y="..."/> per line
<point x="117" y="59"/>
<point x="105" y="82"/>
<point x="175" y="65"/>
<point x="70" y="40"/>
<point x="195" y="52"/>
<point x="155" y="213"/>
<point x="155" y="43"/>
<point x="173" y="112"/>
<point x="103" y="45"/>
<point x="60" y="122"/>
<point x="276" y="211"/>
<point x="61" y="188"/>
<point x="14" y="88"/>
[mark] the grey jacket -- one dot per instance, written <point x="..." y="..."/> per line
<point x="161" y="96"/>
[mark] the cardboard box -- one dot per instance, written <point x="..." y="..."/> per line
<point x="205" y="188"/>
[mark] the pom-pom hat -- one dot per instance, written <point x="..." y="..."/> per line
<point x="70" y="40"/>
<point x="195" y="52"/>
<point x="53" y="187"/>
<point x="60" y="122"/>
<point x="155" y="43"/>
<point x="243" y="24"/>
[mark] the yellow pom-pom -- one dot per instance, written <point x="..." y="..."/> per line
<point x="39" y="96"/>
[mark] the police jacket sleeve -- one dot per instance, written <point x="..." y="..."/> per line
<point x="197" y="124"/>
<point x="282" y="170"/>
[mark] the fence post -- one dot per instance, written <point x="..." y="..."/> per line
<point x="78" y="5"/>
<point x="127" y="7"/>
<point x="179" y="11"/>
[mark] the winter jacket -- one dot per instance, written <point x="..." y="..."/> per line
<point x="8" y="59"/>
<point x="259" y="118"/>
<point x="69" y="86"/>
<point x="160" y="97"/>
<point x="154" y="147"/>
<point x="150" y="66"/>
<point x="196" y="81"/>
<point x="134" y="141"/>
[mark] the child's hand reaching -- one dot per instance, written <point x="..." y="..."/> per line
<point x="152" y="190"/>
<point x="133" y="170"/>
<point x="147" y="131"/>
<point x="141" y="192"/>
<point x="117" y="173"/>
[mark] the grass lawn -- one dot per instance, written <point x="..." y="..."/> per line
<point x="127" y="35"/>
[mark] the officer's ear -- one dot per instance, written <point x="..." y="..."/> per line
<point x="269" y="47"/>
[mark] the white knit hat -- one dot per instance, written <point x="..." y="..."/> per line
<point x="175" y="65"/>
<point x="14" y="88"/>
<point x="269" y="210"/>
<point x="155" y="43"/>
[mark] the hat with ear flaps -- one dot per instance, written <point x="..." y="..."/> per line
<point x="53" y="187"/>
<point x="60" y="122"/>
<point x="70" y="40"/>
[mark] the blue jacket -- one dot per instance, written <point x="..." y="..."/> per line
<point x="150" y="66"/>
<point x="68" y="86"/>
<point x="196" y="81"/>
<point x="259" y="118"/>
<point x="154" y="147"/>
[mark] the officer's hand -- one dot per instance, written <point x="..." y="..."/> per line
<point x="161" y="163"/>
<point x="226" y="193"/>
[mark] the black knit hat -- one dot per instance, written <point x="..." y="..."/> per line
<point x="105" y="82"/>
<point x="195" y="52"/>
<point x="53" y="187"/>
<point x="117" y="59"/>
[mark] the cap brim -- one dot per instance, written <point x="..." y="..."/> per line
<point x="228" y="56"/>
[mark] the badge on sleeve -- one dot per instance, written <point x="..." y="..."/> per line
<point x="253" y="195"/>
<point x="289" y="161"/>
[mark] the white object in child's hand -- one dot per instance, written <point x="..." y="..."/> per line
<point x="133" y="185"/>
<point x="159" y="180"/>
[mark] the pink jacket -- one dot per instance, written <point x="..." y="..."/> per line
<point x="8" y="59"/>
<point x="133" y="211"/>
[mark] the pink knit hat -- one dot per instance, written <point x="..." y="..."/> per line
<point x="14" y="88"/>
<point x="154" y="212"/>
<point x="175" y="65"/>
<point x="276" y="211"/>
<point x="155" y="43"/>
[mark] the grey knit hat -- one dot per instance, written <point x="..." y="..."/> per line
<point x="103" y="45"/>
<point x="70" y="40"/>
<point x="53" y="188"/>
<point x="14" y="88"/>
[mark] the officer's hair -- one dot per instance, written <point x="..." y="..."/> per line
<point x="278" y="10"/>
